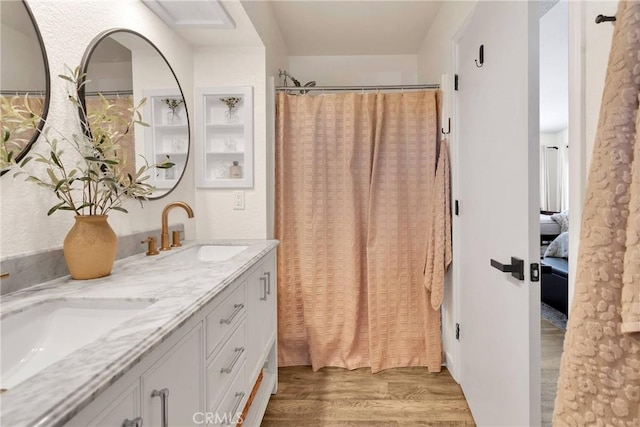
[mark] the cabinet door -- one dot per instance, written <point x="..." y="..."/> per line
<point x="271" y="310"/>
<point x="124" y="410"/>
<point x="257" y="299"/>
<point x="261" y="316"/>
<point x="180" y="372"/>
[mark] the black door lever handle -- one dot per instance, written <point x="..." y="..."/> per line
<point x="516" y="268"/>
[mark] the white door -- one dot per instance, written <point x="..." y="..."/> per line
<point x="498" y="193"/>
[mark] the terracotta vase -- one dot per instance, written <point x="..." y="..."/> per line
<point x="90" y="247"/>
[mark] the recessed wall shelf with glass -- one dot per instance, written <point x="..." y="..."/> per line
<point x="224" y="137"/>
<point x="167" y="134"/>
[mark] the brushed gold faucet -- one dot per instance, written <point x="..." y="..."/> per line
<point x="164" y="242"/>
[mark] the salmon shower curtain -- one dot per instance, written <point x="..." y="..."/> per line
<point x="600" y="371"/>
<point x="353" y="178"/>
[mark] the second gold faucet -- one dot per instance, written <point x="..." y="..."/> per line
<point x="164" y="241"/>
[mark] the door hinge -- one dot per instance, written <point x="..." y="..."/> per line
<point x="455" y="82"/>
<point x="457" y="331"/>
<point x="456" y="208"/>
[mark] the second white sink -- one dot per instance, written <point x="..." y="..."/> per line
<point x="206" y="253"/>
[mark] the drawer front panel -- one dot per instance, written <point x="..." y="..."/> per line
<point x="225" y="366"/>
<point x="224" y="319"/>
<point x="230" y="408"/>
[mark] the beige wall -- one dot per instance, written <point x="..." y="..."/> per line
<point x="354" y="70"/>
<point x="67" y="28"/>
<point x="597" y="44"/>
<point x="434" y="56"/>
<point x="236" y="67"/>
<point x="276" y="58"/>
<point x="434" y="60"/>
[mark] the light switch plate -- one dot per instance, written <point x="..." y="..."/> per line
<point x="238" y="200"/>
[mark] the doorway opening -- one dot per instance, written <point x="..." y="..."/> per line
<point x="554" y="194"/>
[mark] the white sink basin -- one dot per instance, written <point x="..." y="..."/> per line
<point x="206" y="253"/>
<point x="46" y="333"/>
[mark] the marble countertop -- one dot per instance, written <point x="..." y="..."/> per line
<point x="54" y="395"/>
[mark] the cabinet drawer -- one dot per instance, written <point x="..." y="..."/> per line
<point x="230" y="408"/>
<point x="225" y="366"/>
<point x="225" y="318"/>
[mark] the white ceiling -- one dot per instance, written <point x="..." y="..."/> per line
<point x="327" y="27"/>
<point x="361" y="27"/>
<point x="388" y="27"/>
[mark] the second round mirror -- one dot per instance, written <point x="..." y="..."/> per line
<point x="125" y="67"/>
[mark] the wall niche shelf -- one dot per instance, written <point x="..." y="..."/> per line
<point x="167" y="137"/>
<point x="224" y="137"/>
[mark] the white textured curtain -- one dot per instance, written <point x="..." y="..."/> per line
<point x="564" y="174"/>
<point x="544" y="203"/>
<point x="551" y="175"/>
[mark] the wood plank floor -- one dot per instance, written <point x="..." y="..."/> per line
<point x="336" y="397"/>
<point x="551" y="352"/>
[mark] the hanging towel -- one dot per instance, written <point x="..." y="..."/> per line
<point x="439" y="230"/>
<point x="599" y="380"/>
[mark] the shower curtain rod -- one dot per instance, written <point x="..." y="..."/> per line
<point x="355" y="88"/>
<point x="22" y="92"/>
<point x="109" y="93"/>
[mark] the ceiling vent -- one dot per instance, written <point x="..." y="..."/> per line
<point x="191" y="13"/>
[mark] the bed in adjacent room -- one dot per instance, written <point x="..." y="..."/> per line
<point x="549" y="229"/>
<point x="554" y="244"/>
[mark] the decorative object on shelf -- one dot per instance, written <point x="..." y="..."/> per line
<point x="231" y="102"/>
<point x="173" y="104"/>
<point x="89" y="178"/>
<point x="179" y="145"/>
<point x="221" y="171"/>
<point x="235" y="171"/>
<point x="230" y="145"/>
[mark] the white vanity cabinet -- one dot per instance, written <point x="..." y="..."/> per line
<point x="203" y="373"/>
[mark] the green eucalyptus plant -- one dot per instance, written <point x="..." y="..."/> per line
<point x="95" y="179"/>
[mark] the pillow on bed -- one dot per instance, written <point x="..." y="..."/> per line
<point x="562" y="219"/>
<point x="559" y="248"/>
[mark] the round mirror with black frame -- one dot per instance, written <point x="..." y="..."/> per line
<point x="24" y="75"/>
<point x="122" y="67"/>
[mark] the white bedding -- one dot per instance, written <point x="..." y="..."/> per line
<point x="548" y="226"/>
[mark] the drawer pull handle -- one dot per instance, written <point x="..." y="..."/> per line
<point x="229" y="369"/>
<point x="164" y="402"/>
<point x="234" y="412"/>
<point x="136" y="422"/>
<point x="264" y="288"/>
<point x="268" y="274"/>
<point x="238" y="308"/>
